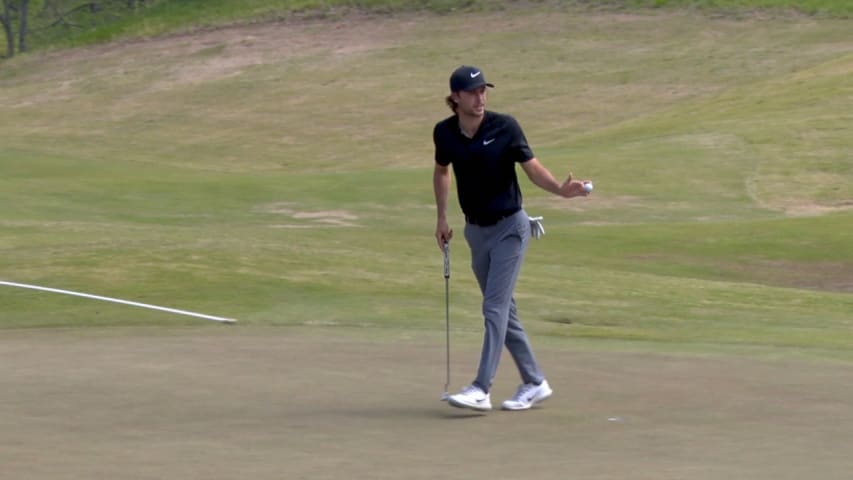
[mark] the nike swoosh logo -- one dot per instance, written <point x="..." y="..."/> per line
<point x="476" y="74"/>
<point x="486" y="142"/>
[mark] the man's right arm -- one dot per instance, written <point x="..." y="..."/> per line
<point x="441" y="187"/>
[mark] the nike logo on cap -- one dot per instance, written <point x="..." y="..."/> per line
<point x="486" y="142"/>
<point x="475" y="74"/>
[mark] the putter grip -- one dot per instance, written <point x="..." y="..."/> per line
<point x="446" y="260"/>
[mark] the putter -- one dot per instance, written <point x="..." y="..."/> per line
<point x="446" y="394"/>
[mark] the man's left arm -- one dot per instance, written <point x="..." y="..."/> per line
<point x="542" y="178"/>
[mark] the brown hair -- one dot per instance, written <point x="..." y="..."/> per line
<point x="451" y="103"/>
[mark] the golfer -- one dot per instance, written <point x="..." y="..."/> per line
<point x="483" y="147"/>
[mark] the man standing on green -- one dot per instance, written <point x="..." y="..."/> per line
<point x="483" y="147"/>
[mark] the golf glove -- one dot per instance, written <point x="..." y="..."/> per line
<point x="537" y="230"/>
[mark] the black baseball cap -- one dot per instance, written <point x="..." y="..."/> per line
<point x="467" y="77"/>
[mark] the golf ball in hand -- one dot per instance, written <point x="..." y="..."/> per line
<point x="587" y="187"/>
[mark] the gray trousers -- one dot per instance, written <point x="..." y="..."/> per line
<point x="497" y="253"/>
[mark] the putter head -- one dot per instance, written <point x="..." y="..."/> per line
<point x="445" y="396"/>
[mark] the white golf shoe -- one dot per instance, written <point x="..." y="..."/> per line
<point x="527" y="395"/>
<point x="472" y="397"/>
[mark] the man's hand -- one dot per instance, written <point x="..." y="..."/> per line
<point x="443" y="233"/>
<point x="573" y="188"/>
<point x="541" y="177"/>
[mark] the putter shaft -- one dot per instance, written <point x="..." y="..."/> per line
<point x="447" y="315"/>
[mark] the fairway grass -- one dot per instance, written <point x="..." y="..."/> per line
<point x="280" y="174"/>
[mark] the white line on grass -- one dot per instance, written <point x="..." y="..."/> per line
<point x="117" y="300"/>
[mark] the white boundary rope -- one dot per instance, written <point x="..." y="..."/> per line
<point x="117" y="300"/>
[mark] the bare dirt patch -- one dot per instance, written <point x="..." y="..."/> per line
<point x="198" y="57"/>
<point x="293" y="403"/>
<point x="813" y="210"/>
<point x="336" y="218"/>
<point x="223" y="51"/>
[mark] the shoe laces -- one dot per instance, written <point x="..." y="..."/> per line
<point x="523" y="390"/>
<point x="472" y="389"/>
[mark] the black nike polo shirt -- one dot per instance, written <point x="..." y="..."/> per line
<point x="484" y="166"/>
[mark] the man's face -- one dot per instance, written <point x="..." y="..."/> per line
<point x="471" y="102"/>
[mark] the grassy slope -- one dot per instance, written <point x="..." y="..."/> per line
<point x="210" y="172"/>
<point x="113" y="22"/>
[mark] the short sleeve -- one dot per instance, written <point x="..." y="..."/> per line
<point x="441" y="156"/>
<point x="520" y="151"/>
